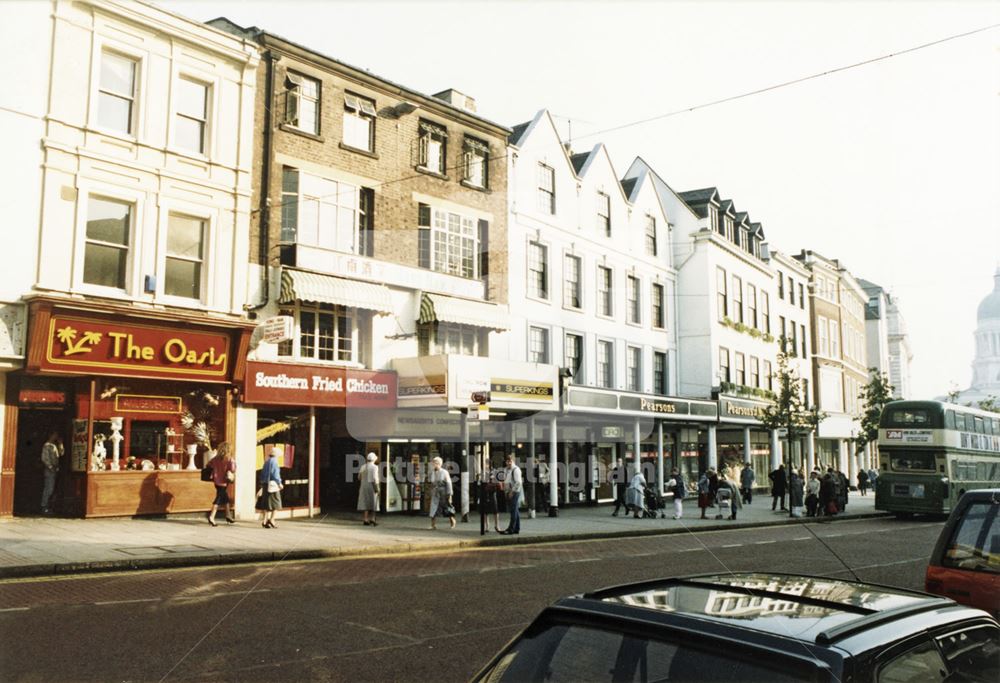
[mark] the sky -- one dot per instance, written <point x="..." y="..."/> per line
<point x="893" y="168"/>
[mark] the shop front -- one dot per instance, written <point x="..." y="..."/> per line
<point x="740" y="433"/>
<point x="139" y="402"/>
<point x="304" y="411"/>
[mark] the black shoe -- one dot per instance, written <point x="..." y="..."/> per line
<point x="230" y="520"/>
<point x="211" y="521"/>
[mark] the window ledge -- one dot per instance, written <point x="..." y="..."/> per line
<point x="472" y="186"/>
<point x="573" y="308"/>
<point x="298" y="131"/>
<point x="358" y="150"/>
<point x="427" y="171"/>
<point x="633" y="324"/>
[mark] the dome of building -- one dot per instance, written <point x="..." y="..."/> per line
<point x="989" y="308"/>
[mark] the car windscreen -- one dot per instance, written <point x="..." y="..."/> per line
<point x="909" y="460"/>
<point x="975" y="542"/>
<point x="574" y="654"/>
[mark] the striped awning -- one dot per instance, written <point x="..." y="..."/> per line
<point x="300" y="285"/>
<point x="449" y="309"/>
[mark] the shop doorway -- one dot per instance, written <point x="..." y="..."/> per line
<point x="33" y="428"/>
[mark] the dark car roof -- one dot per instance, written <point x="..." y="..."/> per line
<point x="808" y="608"/>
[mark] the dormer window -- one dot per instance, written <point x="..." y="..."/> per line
<point x="713" y="220"/>
<point x="729" y="228"/>
<point x="744" y="240"/>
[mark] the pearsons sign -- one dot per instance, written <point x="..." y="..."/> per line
<point x="737" y="410"/>
<point x="316" y="385"/>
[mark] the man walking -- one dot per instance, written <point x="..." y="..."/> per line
<point x="619" y="480"/>
<point x="747" y="478"/>
<point x="778" y="485"/>
<point x="513" y="487"/>
<point x="52" y="450"/>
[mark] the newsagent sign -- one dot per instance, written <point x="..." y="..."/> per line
<point x="314" y="385"/>
<point x="79" y="344"/>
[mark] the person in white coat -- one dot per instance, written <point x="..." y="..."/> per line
<point x="441" y="493"/>
<point x="635" y="495"/>
<point x="369" y="489"/>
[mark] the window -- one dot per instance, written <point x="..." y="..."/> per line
<point x="737" y="299"/>
<point x="768" y="380"/>
<point x="477" y="161"/>
<point x="793" y="344"/>
<point x="192" y="115"/>
<point x="441" y="338"/>
<point x="320" y="212"/>
<point x="721" y="293"/>
<point x="366" y="222"/>
<point x="447" y="242"/>
<point x="359" y="122"/>
<point x="802" y="339"/>
<point x="783" y="337"/>
<point x="741" y="369"/>
<point x="922" y="663"/>
<point x="834" y="339"/>
<point x="973" y="544"/>
<point x="574" y="356"/>
<point x="821" y="328"/>
<point x="781" y="285"/>
<point x="116" y="94"/>
<point x="660" y="373"/>
<point x="546" y="189"/>
<point x="302" y="103"/>
<point x="538" y="270"/>
<point x="724" y="365"/>
<point x="605" y="364"/>
<point x="651" y="246"/>
<point x="633" y="369"/>
<point x="791" y="291"/>
<point x="573" y="283"/>
<point x="109" y="228"/>
<point x="754" y="371"/>
<point x="433" y="142"/>
<point x="327" y="333"/>
<point x="713" y="219"/>
<point x="632" y="294"/>
<point x="538" y="345"/>
<point x="604" y="213"/>
<point x="659" y="312"/>
<point x="765" y="312"/>
<point x="973" y="653"/>
<point x="805" y="392"/>
<point x="752" y="306"/>
<point x="604" y="292"/>
<point x="802" y="296"/>
<point x="185" y="257"/>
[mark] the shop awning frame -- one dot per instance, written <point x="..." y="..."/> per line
<point x="450" y="309"/>
<point x="302" y="285"/>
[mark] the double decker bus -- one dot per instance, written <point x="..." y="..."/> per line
<point x="930" y="453"/>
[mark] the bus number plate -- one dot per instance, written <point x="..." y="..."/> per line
<point x="912" y="491"/>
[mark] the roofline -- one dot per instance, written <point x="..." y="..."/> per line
<point x="533" y="123"/>
<point x="274" y="41"/>
<point x="674" y="192"/>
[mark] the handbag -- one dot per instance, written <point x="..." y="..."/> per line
<point x="206" y="473"/>
<point x="230" y="476"/>
<point x="448" y="511"/>
<point x="272" y="486"/>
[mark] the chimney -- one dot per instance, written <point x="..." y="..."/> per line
<point x="457" y="99"/>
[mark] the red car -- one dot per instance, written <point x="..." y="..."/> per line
<point x="965" y="565"/>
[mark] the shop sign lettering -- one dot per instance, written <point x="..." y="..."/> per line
<point x="743" y="410"/>
<point x="77" y="344"/>
<point x="287" y="384"/>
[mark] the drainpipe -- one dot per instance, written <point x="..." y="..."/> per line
<point x="264" y="202"/>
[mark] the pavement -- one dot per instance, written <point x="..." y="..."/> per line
<point x="44" y="546"/>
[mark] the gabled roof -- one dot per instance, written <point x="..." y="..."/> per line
<point x="640" y="169"/>
<point x="757" y="229"/>
<point x="727" y="206"/>
<point x="628" y="185"/>
<point x="702" y="196"/>
<point x="578" y="160"/>
<point x="516" y="132"/>
<point x="742" y="216"/>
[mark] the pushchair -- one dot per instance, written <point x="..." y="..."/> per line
<point x="655" y="504"/>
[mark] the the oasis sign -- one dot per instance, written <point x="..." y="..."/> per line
<point x="92" y="346"/>
<point x="314" y="385"/>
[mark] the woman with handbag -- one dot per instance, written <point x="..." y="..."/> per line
<point x="270" y="489"/>
<point x="441" y="493"/>
<point x="223" y="474"/>
<point x="368" y="489"/>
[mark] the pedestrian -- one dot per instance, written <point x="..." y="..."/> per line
<point x="441" y="496"/>
<point x="778" y="486"/>
<point x="223" y="474"/>
<point x="812" y="494"/>
<point x="635" y="495"/>
<point x="513" y="487"/>
<point x="704" y="491"/>
<point x="863" y="482"/>
<point x="843" y="486"/>
<point x="677" y="486"/>
<point x="541" y="485"/>
<point x="492" y="496"/>
<point x="369" y="489"/>
<point x="872" y="477"/>
<point x="713" y="485"/>
<point x="727" y="498"/>
<point x="747" y="478"/>
<point x="270" y="488"/>
<point x="618" y="479"/>
<point x="828" y="493"/>
<point x="52" y="452"/>
<point x="796" y="494"/>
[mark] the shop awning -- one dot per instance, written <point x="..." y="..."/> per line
<point x="299" y="285"/>
<point x="449" y="309"/>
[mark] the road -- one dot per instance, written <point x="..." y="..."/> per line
<point x="393" y="618"/>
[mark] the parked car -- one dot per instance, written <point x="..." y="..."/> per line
<point x="965" y="564"/>
<point x="752" y="627"/>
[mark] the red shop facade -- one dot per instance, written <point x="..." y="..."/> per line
<point x="138" y="400"/>
<point x="305" y="411"/>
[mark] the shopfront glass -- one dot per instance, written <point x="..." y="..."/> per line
<point x="286" y="430"/>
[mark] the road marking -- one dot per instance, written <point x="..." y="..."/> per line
<point x="587" y="559"/>
<point x="802" y="538"/>
<point x="423" y="576"/>
<point x="15" y="609"/>
<point x="127" y="602"/>
<point x="762" y="542"/>
<point x="690" y="550"/>
<point x="732" y="545"/>
<point x="833" y="535"/>
<point x="643" y="554"/>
